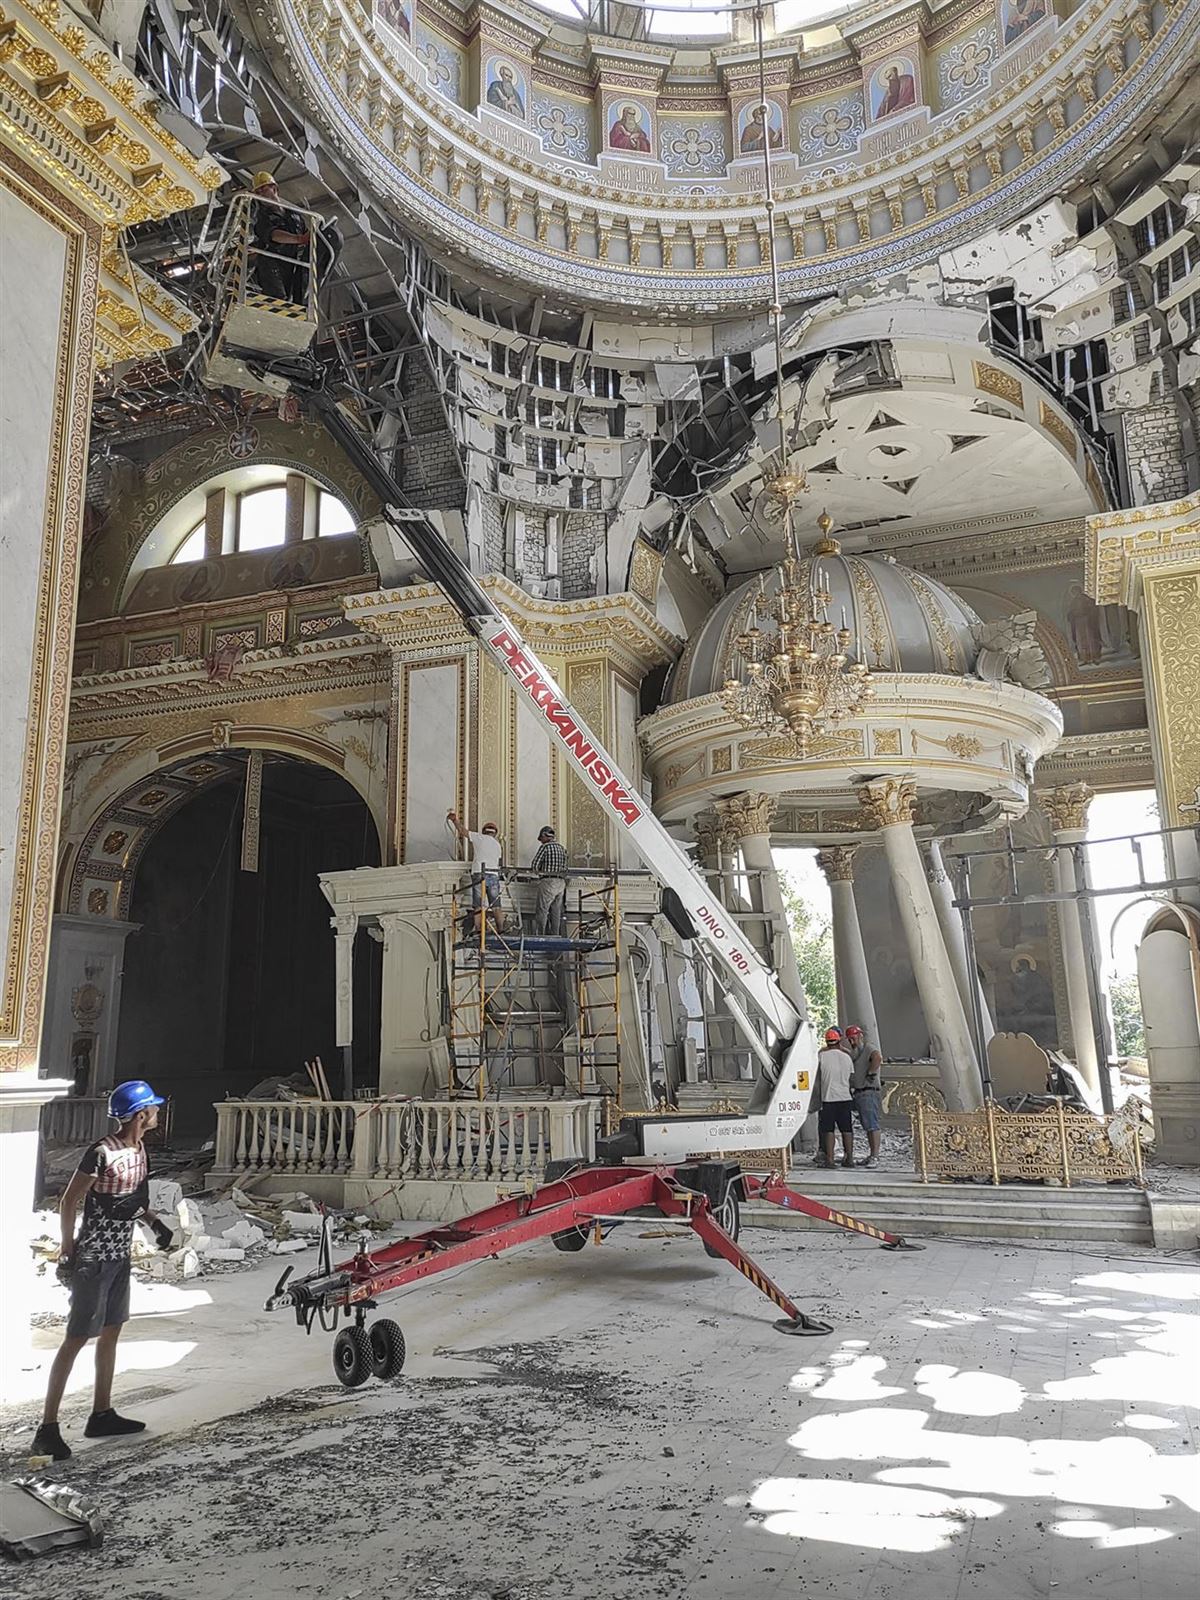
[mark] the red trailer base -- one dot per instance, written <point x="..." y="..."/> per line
<point x="567" y="1210"/>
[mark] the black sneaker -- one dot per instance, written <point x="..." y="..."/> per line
<point x="106" y="1424"/>
<point x="47" y="1441"/>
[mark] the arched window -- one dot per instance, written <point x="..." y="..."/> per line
<point x="192" y="548"/>
<point x="261" y="518"/>
<point x="333" y="516"/>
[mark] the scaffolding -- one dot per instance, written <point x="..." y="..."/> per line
<point x="535" y="1010"/>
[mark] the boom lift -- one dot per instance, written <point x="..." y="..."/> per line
<point x="686" y="1172"/>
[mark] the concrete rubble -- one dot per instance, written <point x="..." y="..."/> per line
<point x="214" y="1232"/>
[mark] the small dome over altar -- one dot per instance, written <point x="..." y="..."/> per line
<point x="900" y="621"/>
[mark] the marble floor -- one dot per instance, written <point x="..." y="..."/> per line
<point x="986" y="1420"/>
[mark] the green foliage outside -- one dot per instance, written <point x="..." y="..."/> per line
<point x="1126" y="1001"/>
<point x="812" y="936"/>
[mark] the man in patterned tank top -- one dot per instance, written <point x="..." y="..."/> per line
<point x="112" y="1184"/>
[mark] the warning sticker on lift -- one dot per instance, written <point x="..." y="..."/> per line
<point x="802" y="1080"/>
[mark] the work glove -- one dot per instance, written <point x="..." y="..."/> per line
<point x="65" y="1272"/>
<point x="164" y="1234"/>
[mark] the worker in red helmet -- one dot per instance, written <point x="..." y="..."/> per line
<point x="112" y="1186"/>
<point x="866" y="1085"/>
<point x="834" y="1071"/>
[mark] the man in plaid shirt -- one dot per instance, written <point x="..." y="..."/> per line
<point x="112" y="1184"/>
<point x="550" y="864"/>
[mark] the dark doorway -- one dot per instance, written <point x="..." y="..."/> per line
<point x="230" y="978"/>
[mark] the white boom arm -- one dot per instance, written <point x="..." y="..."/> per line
<point x="788" y="1059"/>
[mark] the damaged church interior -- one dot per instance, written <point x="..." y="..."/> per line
<point x="600" y="658"/>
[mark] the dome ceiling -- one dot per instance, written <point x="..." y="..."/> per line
<point x="900" y="621"/>
<point x="626" y="170"/>
<point x="934" y="435"/>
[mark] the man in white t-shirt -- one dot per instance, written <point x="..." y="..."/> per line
<point x="486" y="853"/>
<point x="837" y="1102"/>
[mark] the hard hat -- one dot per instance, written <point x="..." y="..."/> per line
<point x="127" y="1099"/>
<point x="490" y="825"/>
<point x="832" y="1035"/>
<point x="263" y="180"/>
<point x="854" y="1028"/>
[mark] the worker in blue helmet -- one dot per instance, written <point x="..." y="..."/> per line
<point x="112" y="1186"/>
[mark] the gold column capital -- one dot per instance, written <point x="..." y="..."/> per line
<point x="837" y="863"/>
<point x="1067" y="806"/>
<point x="707" y="828"/>
<point x="1124" y="549"/>
<point x="744" y="815"/>
<point x="889" y="802"/>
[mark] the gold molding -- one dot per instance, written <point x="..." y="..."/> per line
<point x="34" y="847"/>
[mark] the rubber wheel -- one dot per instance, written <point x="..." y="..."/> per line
<point x="387" y="1349"/>
<point x="728" y="1215"/>
<point x="571" y="1239"/>
<point x="352" y="1356"/>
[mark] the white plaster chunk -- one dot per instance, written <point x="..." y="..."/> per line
<point x="302" y="1221"/>
<point x="225" y="1254"/>
<point x="164" y="1195"/>
<point x="243" y="1236"/>
<point x="995" y="254"/>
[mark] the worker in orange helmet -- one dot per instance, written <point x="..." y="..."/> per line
<point x="834" y="1071"/>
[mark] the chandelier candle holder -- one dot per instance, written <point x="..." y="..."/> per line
<point x="798" y="675"/>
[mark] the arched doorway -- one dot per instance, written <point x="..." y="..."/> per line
<point x="229" y="978"/>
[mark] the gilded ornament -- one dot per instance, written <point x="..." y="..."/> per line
<point x="889" y="802"/>
<point x="1067" y="806"/>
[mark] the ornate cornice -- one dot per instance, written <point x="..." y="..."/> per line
<point x="431" y="156"/>
<point x="82" y="120"/>
<point x="1123" y="547"/>
<point x="420" y="615"/>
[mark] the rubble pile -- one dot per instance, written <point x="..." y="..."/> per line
<point x="216" y="1232"/>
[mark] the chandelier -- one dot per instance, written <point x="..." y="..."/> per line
<point x="798" y="677"/>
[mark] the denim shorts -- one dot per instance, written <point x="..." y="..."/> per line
<point x="487" y="883"/>
<point x="869" y="1105"/>
<point x="99" y="1297"/>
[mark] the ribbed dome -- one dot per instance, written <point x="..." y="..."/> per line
<point x="901" y="621"/>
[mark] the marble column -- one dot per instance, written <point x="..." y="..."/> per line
<point x="1147" y="559"/>
<point x="746" y="825"/>
<point x="889" y="803"/>
<point x="855" y="1001"/>
<point x="950" y="921"/>
<point x="1067" y="809"/>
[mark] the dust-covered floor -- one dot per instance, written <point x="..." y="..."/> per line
<point x="626" y="1424"/>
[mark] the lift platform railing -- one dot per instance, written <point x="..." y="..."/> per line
<point x="240" y="273"/>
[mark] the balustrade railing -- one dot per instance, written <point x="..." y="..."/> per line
<point x="289" y="1137"/>
<point x="501" y="1141"/>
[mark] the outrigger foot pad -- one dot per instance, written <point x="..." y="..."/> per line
<point x="902" y="1244"/>
<point x="804" y="1327"/>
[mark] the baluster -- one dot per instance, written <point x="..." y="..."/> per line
<point x="425" y="1162"/>
<point x="240" y="1155"/>
<point x="506" y="1145"/>
<point x="254" y="1154"/>
<point x="399" y="1156"/>
<point x="330" y="1136"/>
<point x="442" y="1140"/>
<point x="522" y="1162"/>
<point x="540" y="1149"/>
<point x="344" y="1142"/>
<point x="278" y="1141"/>
<point x="458" y="1139"/>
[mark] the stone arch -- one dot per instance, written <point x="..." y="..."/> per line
<point x="102" y="872"/>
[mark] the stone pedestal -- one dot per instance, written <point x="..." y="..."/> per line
<point x="890" y="803"/>
<point x="855" y="1001"/>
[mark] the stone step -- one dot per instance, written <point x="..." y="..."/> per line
<point x="974" y="1211"/>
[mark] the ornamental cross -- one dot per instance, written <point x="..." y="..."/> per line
<point x="832" y="128"/>
<point x="970" y="70"/>
<point x="693" y="147"/>
<point x="1193" y="804"/>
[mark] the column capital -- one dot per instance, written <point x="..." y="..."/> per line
<point x="935" y="867"/>
<point x="744" y="815"/>
<point x="1067" y="806"/>
<point x="837" y="863"/>
<point x="707" y="828"/>
<point x="889" y="802"/>
<point x="344" y="923"/>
